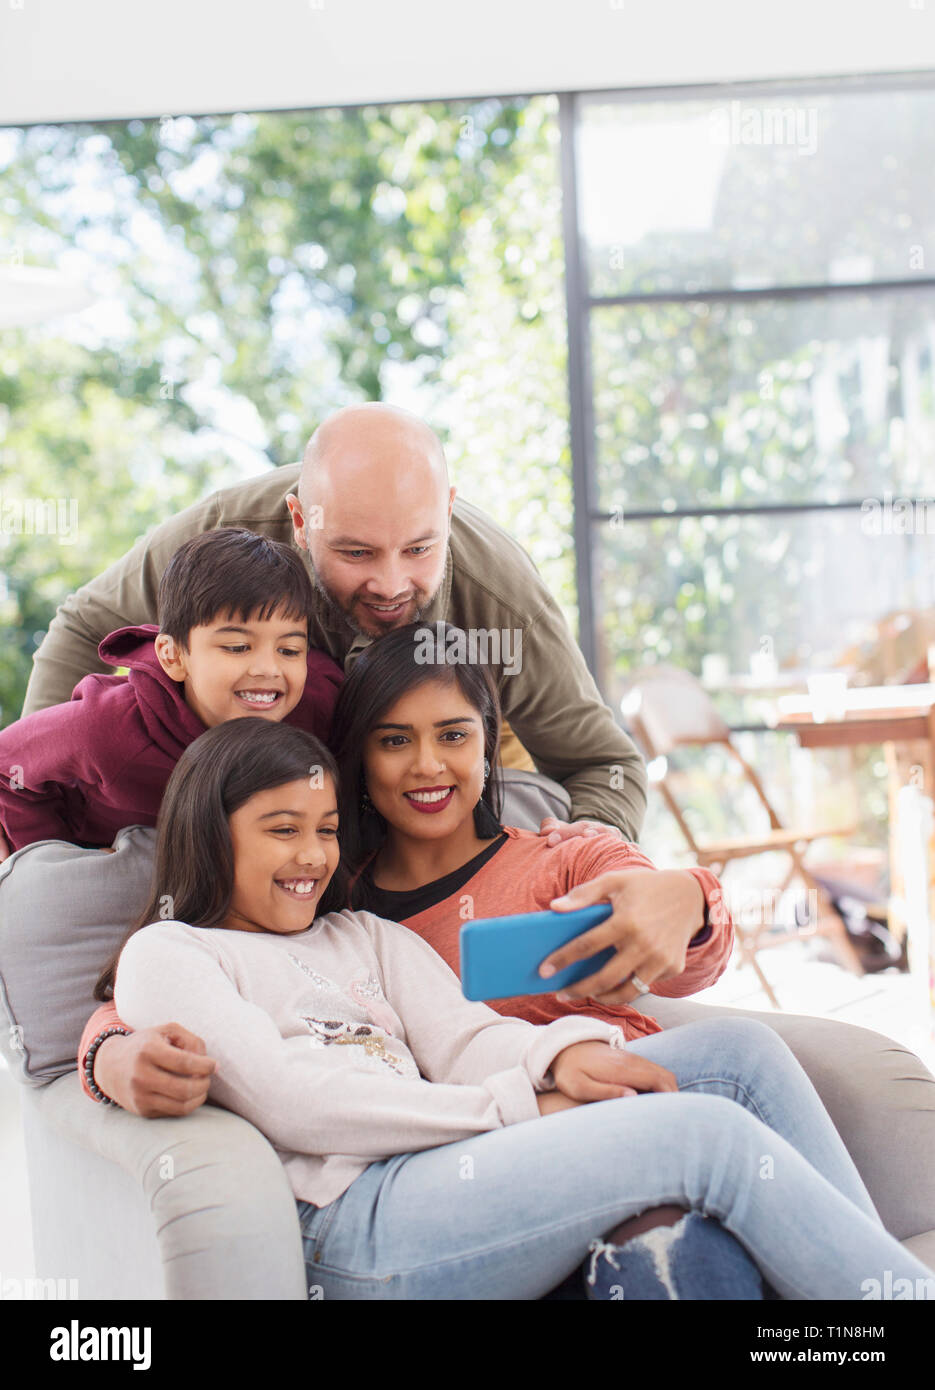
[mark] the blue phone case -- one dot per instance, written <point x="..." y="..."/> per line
<point x="500" y="956"/>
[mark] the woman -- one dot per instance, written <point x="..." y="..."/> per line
<point x="416" y="740"/>
<point x="410" y="1121"/>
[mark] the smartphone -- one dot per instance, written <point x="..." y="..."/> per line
<point x="500" y="956"/>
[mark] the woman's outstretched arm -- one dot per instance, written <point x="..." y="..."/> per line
<point x="670" y="927"/>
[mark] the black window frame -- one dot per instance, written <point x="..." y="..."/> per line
<point x="580" y="304"/>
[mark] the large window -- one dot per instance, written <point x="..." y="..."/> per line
<point x="751" y="288"/>
<point x="750" y="343"/>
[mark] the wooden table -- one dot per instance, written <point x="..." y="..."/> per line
<point x="868" y="714"/>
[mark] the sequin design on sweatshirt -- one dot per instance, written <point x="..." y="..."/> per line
<point x="369" y="994"/>
<point x="338" y="1032"/>
<point x="321" y="981"/>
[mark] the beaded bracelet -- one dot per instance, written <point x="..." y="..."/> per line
<point x="91" y="1053"/>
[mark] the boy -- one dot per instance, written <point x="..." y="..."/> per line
<point x="232" y="641"/>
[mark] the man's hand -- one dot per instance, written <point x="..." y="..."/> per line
<point x="155" y="1072"/>
<point x="589" y="1071"/>
<point x="656" y="912"/>
<point x="558" y="830"/>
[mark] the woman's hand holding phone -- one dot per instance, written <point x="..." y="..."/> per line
<point x="656" y="912"/>
<point x="589" y="1071"/>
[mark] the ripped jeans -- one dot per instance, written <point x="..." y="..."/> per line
<point x="510" y="1213"/>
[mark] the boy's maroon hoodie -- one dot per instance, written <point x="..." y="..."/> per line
<point x="84" y="770"/>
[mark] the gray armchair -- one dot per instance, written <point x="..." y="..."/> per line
<point x="199" y="1207"/>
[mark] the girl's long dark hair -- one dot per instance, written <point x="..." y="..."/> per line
<point x="405" y="658"/>
<point x="193" y="872"/>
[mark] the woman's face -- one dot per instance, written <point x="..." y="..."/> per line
<point x="285" y="843"/>
<point x="424" y="761"/>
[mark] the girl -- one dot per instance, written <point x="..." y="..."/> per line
<point x="408" y="1119"/>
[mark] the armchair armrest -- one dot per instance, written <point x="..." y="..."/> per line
<point x="881" y="1099"/>
<point x="200" y="1203"/>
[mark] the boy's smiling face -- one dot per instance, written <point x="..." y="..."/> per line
<point x="236" y="666"/>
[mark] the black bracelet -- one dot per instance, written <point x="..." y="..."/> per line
<point x="91" y="1053"/>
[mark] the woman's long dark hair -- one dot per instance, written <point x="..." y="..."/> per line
<point x="385" y="671"/>
<point x="193" y="872"/>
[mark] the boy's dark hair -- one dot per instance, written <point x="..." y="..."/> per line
<point x="233" y="573"/>
<point x="392" y="665"/>
<point x="193" y="872"/>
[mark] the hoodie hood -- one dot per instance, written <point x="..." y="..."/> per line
<point x="161" y="701"/>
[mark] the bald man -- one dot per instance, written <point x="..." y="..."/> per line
<point x="388" y="543"/>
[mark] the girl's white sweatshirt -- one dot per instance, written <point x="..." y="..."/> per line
<point x="344" y="1043"/>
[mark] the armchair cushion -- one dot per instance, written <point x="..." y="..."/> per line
<point x="528" y="797"/>
<point x="63" y="912"/>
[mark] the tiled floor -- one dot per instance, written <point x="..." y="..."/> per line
<point x="889" y="1003"/>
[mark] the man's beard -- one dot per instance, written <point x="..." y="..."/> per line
<point x="335" y="614"/>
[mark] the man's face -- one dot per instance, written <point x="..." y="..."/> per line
<point x="378" y="566"/>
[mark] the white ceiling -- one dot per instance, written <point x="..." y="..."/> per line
<point x="96" y="59"/>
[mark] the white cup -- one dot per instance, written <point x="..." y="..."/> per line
<point x="828" y="696"/>
<point x="764" y="666"/>
<point x="715" y="669"/>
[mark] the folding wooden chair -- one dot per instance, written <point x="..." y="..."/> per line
<point x="667" y="708"/>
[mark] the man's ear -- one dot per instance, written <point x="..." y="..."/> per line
<point x="298" y="520"/>
<point x="170" y="657"/>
